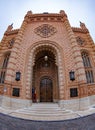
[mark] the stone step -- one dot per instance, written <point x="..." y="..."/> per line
<point x="42" y="114"/>
<point x="44" y="118"/>
<point x="42" y="111"/>
<point x="44" y="105"/>
<point x="40" y="108"/>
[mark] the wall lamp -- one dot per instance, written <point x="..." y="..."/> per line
<point x="72" y="75"/>
<point x="18" y="75"/>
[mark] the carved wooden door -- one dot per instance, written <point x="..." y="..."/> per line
<point x="46" y="93"/>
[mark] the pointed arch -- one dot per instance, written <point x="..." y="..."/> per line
<point x="56" y="51"/>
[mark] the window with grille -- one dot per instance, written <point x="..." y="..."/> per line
<point x="73" y="92"/>
<point x="4" y="67"/>
<point x="86" y="59"/>
<point x="88" y="67"/>
<point x="89" y="76"/>
<point x="16" y="92"/>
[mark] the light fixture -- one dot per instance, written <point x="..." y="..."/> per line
<point x="18" y="76"/>
<point x="5" y="89"/>
<point x="72" y="75"/>
<point x="46" y="58"/>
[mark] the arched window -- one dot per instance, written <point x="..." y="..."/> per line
<point x="86" y="59"/>
<point x="4" y="67"/>
<point x="89" y="76"/>
<point x="88" y="67"/>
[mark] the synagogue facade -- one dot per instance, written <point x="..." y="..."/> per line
<point x="47" y="60"/>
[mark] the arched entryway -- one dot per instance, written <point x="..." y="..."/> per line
<point x="46" y="90"/>
<point x="45" y="60"/>
<point x="45" y="76"/>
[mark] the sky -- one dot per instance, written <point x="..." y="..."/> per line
<point x="13" y="11"/>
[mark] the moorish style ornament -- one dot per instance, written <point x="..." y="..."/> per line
<point x="80" y="41"/>
<point x="11" y="42"/>
<point x="45" y="30"/>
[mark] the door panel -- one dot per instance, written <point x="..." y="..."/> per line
<point x="46" y="90"/>
<point x="43" y="94"/>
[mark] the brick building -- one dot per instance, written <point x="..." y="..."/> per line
<point x="47" y="60"/>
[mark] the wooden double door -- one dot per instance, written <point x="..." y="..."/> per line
<point x="46" y="90"/>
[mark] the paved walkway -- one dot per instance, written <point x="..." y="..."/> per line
<point x="12" y="123"/>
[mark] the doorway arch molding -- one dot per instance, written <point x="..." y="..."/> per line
<point x="32" y="52"/>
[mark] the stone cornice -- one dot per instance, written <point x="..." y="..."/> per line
<point x="15" y="31"/>
<point x="44" y="17"/>
<point x="81" y="30"/>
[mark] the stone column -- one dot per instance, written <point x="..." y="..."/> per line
<point x="29" y="77"/>
<point x="76" y="52"/>
<point x="15" y="54"/>
<point x="14" y="63"/>
<point x="61" y="80"/>
<point x="77" y="57"/>
<point x="61" y="83"/>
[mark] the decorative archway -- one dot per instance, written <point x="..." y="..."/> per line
<point x="50" y="48"/>
<point x="45" y="66"/>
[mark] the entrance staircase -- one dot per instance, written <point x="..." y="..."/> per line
<point x="44" y="112"/>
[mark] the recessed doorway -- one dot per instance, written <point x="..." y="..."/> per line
<point x="45" y="78"/>
<point x="46" y="90"/>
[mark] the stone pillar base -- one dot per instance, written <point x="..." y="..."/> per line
<point x="14" y="103"/>
<point x="75" y="104"/>
<point x="92" y="100"/>
<point x="1" y="97"/>
<point x="84" y="103"/>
